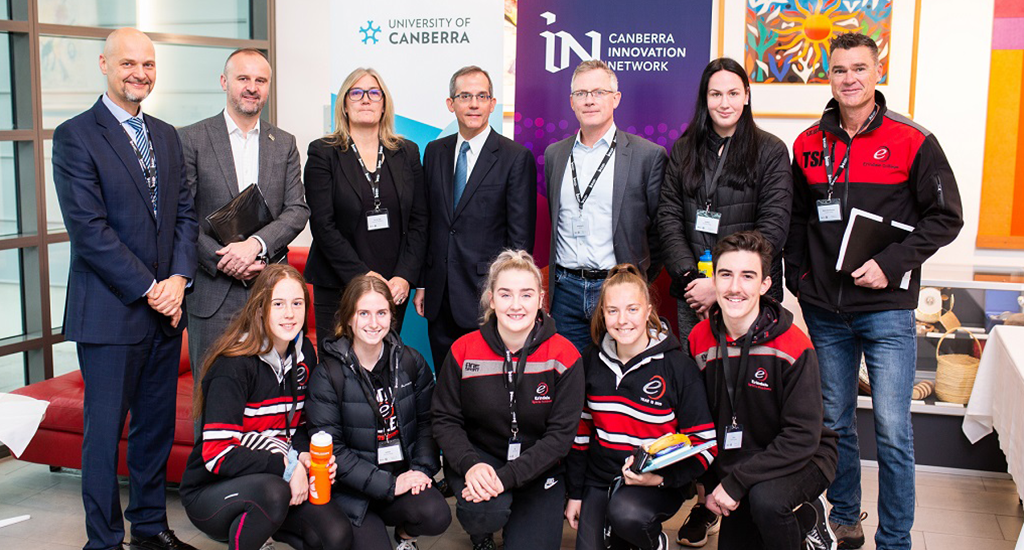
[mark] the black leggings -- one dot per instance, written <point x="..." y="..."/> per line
<point x="530" y="517"/>
<point x="246" y="511"/>
<point x="765" y="517"/>
<point x="635" y="515"/>
<point x="426" y="514"/>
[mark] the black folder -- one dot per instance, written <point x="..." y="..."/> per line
<point x="866" y="235"/>
<point x="240" y="218"/>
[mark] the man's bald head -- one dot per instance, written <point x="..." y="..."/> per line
<point x="129" y="63"/>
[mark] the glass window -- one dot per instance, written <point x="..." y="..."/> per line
<point x="6" y="93"/>
<point x="224" y="18"/>
<point x="60" y="260"/>
<point x="12" y="372"/>
<point x="187" y="85"/>
<point x="65" y="358"/>
<point x="12" y="322"/>
<point x="54" y="220"/>
<point x="8" y="190"/>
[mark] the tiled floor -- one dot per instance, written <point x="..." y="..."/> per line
<point x="953" y="512"/>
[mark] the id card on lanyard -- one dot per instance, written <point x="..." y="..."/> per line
<point x="734" y="431"/>
<point x="707" y="219"/>
<point x="831" y="209"/>
<point x="580" y="223"/>
<point x="377" y="218"/>
<point x="389" y="450"/>
<point x="515" y="444"/>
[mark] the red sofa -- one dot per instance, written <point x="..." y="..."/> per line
<point x="58" y="442"/>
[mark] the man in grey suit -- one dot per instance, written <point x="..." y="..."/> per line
<point x="603" y="187"/>
<point x="224" y="155"/>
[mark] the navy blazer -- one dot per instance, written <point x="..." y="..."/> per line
<point x="118" y="247"/>
<point x="497" y="210"/>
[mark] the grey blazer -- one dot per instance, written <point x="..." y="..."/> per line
<point x="210" y="176"/>
<point x="639" y="166"/>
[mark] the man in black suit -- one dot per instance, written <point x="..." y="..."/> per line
<point x="482" y="196"/>
<point x="121" y="187"/>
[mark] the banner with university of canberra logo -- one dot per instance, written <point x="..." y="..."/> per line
<point x="416" y="46"/>
<point x="657" y="48"/>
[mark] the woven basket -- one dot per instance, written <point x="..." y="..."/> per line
<point x="954" y="376"/>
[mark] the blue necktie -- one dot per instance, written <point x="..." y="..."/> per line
<point x="460" y="174"/>
<point x="146" y="153"/>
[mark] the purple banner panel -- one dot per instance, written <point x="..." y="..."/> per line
<point x="657" y="48"/>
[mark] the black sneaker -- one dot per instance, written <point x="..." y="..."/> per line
<point x="662" y="541"/>
<point x="700" y="524"/>
<point x="820" y="536"/>
<point x="486" y="544"/>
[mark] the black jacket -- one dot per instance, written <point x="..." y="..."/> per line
<point x="763" y="205"/>
<point x="898" y="171"/>
<point x="352" y="423"/>
<point x="779" y="406"/>
<point x="333" y="179"/>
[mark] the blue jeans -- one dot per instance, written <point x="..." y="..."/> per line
<point x="572" y="305"/>
<point x="888" y="342"/>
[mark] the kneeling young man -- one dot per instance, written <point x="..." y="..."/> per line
<point x="775" y="457"/>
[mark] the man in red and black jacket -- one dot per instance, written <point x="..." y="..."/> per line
<point x="775" y="457"/>
<point x="861" y="155"/>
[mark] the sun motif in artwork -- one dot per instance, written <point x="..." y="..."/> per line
<point x="807" y="31"/>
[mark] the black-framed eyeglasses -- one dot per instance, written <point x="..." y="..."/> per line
<point x="580" y="95"/>
<point x="356" y="94"/>
<point x="466" y="97"/>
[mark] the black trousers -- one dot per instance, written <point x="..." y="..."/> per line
<point x="426" y="514"/>
<point x="444" y="331"/>
<point x="765" y="517"/>
<point x="247" y="510"/>
<point x="530" y="517"/>
<point x="325" y="310"/>
<point x="635" y="515"/>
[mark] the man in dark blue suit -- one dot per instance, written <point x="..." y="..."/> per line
<point x="133" y="231"/>
<point x="482" y="196"/>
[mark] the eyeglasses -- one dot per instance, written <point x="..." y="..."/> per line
<point x="356" y="94"/>
<point x="580" y="95"/>
<point x="466" y="97"/>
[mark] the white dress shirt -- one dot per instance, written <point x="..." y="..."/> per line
<point x="475" y="146"/>
<point x="245" y="149"/>
<point x="595" y="250"/>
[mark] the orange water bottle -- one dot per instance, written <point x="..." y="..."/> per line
<point x="320" y="448"/>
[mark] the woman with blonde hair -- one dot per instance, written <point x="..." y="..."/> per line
<point x="506" y="407"/>
<point x="372" y="394"/>
<point x="247" y="477"/>
<point x="367" y="200"/>
<point x="640" y="385"/>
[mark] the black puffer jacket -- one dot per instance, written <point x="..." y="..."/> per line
<point x="336" y="404"/>
<point x="764" y="206"/>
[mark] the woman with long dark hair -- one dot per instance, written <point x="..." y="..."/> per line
<point x="247" y="477"/>
<point x="724" y="175"/>
<point x="372" y="394"/>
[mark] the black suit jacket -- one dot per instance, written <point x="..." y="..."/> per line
<point x="332" y="179"/>
<point x="497" y="211"/>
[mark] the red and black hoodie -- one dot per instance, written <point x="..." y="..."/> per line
<point x="896" y="170"/>
<point x="246" y="405"/>
<point x="657" y="392"/>
<point x="779" y="406"/>
<point x="471" y="402"/>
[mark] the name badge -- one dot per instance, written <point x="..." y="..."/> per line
<point x="388" y="452"/>
<point x="733" y="437"/>
<point x="515" y="448"/>
<point x="580" y="226"/>
<point x="707" y="221"/>
<point x="830" y="210"/>
<point x="377" y="219"/>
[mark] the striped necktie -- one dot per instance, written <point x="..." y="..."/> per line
<point x="145" y="152"/>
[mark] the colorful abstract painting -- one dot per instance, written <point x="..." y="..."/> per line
<point x="787" y="40"/>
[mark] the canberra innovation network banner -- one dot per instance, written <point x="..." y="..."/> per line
<point x="657" y="48"/>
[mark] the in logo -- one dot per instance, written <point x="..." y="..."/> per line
<point x="369" y="32"/>
<point x="882" y="154"/>
<point x="655" y="388"/>
<point x="542" y="389"/>
<point x="568" y="44"/>
<point x="761" y="375"/>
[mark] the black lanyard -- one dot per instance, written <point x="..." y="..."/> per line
<point x="147" y="169"/>
<point x="736" y="389"/>
<point x="366" y="385"/>
<point x="513" y="372"/>
<point x="828" y="155"/>
<point x="374" y="181"/>
<point x="711" y="185"/>
<point x="580" y="199"/>
<point x="290" y="412"/>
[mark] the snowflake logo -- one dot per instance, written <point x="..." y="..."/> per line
<point x="369" y="32"/>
